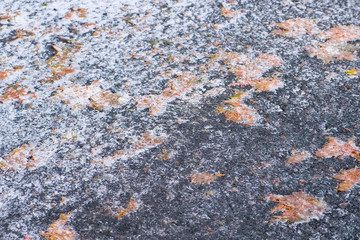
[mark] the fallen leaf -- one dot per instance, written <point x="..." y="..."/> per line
<point x="17" y="92"/>
<point x="237" y="111"/>
<point x="131" y="205"/>
<point x="336" y="44"/>
<point x="80" y="12"/>
<point x="250" y="72"/>
<point x="295" y="27"/>
<point x="26" y="156"/>
<point x="58" y="231"/>
<point x="297" y="156"/>
<point x="219" y="174"/>
<point x="176" y="88"/>
<point x="229" y="13"/>
<point x="348" y="177"/>
<point x="202" y="178"/>
<point x="298" y="207"/>
<point x="351" y="71"/>
<point x="341" y="33"/>
<point x="93" y="95"/>
<point x="142" y="143"/>
<point x="337" y="148"/>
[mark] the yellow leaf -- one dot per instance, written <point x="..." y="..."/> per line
<point x="351" y="71"/>
<point x="219" y="174"/>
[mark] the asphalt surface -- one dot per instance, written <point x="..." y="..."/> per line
<point x="179" y="119"/>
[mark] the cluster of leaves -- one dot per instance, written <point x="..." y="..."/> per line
<point x="332" y="43"/>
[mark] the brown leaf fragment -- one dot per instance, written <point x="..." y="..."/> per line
<point x="26" y="156"/>
<point x="297" y="207"/>
<point x="237" y="111"/>
<point x="337" y="148"/>
<point x="341" y="33"/>
<point x="229" y="13"/>
<point x="20" y="33"/>
<point x="295" y="27"/>
<point x="131" y="205"/>
<point x="93" y="95"/>
<point x="251" y="72"/>
<point x="147" y="141"/>
<point x="297" y="157"/>
<point x="58" y="231"/>
<point x="144" y="142"/>
<point x="332" y="49"/>
<point x="4" y="73"/>
<point x="348" y="177"/>
<point x="16" y="92"/>
<point x="336" y="44"/>
<point x="60" y="63"/>
<point x="80" y="12"/>
<point x="201" y="178"/>
<point x="176" y="88"/>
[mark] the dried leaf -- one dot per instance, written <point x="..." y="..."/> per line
<point x="60" y="63"/>
<point x="351" y="71"/>
<point x="176" y="88"/>
<point x="146" y="141"/>
<point x="80" y="12"/>
<point x="229" y="13"/>
<point x="26" y="156"/>
<point x="219" y="174"/>
<point x="131" y="205"/>
<point x="297" y="156"/>
<point x="341" y="33"/>
<point x="336" y="45"/>
<point x="202" y="178"/>
<point x="17" y="92"/>
<point x="58" y="231"/>
<point x="331" y="49"/>
<point x="251" y="72"/>
<point x="295" y="27"/>
<point x="348" y="177"/>
<point x="337" y="148"/>
<point x="298" y="207"/>
<point x="93" y="95"/>
<point x="238" y="111"/>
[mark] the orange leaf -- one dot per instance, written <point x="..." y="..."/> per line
<point x="298" y="207"/>
<point x="202" y="178"/>
<point x="238" y="111"/>
<point x="349" y="178"/>
<point x="337" y="148"/>
<point x="58" y="231"/>
<point x="297" y="156"/>
<point x="131" y="205"/>
<point x="295" y="27"/>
